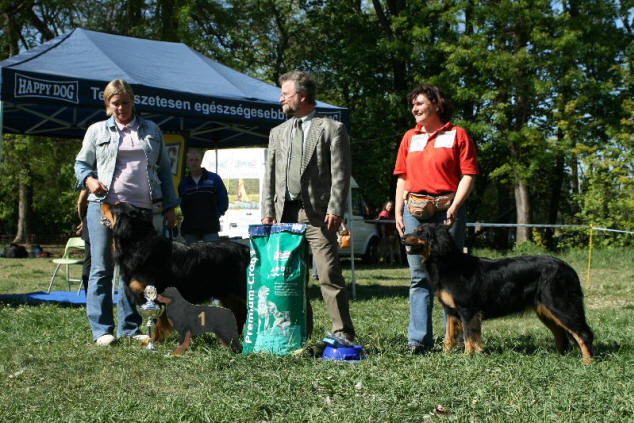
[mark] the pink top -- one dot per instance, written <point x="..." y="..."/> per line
<point x="130" y="182"/>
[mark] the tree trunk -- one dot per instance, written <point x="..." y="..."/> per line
<point x="168" y="20"/>
<point x="25" y="203"/>
<point x="132" y="16"/>
<point x="11" y="29"/>
<point x="501" y="212"/>
<point x="555" y="198"/>
<point x="522" y="205"/>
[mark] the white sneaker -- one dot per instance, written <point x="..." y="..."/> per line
<point x="105" y="340"/>
<point x="141" y="338"/>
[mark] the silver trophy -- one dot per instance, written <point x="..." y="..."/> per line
<point x="151" y="311"/>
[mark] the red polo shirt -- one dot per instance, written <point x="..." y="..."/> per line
<point x="434" y="162"/>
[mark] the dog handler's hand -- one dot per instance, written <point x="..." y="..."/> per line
<point x="170" y="217"/>
<point x="400" y="226"/>
<point x="333" y="222"/>
<point x="95" y="186"/>
<point x="268" y="220"/>
<point x="451" y="216"/>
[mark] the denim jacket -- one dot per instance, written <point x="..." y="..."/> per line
<point x="98" y="157"/>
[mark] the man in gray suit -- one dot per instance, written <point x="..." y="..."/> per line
<point x="306" y="180"/>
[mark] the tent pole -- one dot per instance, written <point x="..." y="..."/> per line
<point x="354" y="279"/>
<point x="1" y="126"/>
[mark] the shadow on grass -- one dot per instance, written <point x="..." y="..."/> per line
<point x="521" y="344"/>
<point x="367" y="292"/>
<point x="530" y="345"/>
<point x="603" y="349"/>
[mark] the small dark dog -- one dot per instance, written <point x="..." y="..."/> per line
<point x="200" y="271"/>
<point x="191" y="320"/>
<point x="472" y="289"/>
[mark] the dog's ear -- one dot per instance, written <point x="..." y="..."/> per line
<point x="164" y="300"/>
<point x="412" y="239"/>
<point x="137" y="287"/>
<point x="124" y="209"/>
<point x="443" y="242"/>
<point x="426" y="231"/>
<point x="131" y="211"/>
<point x="106" y="211"/>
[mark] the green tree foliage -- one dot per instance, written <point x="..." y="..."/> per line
<point x="26" y="22"/>
<point x="46" y="165"/>
<point x="545" y="88"/>
<point x="343" y="43"/>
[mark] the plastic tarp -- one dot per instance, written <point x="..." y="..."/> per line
<point x="68" y="297"/>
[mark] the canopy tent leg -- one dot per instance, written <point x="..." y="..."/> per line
<point x="354" y="278"/>
<point x="1" y="134"/>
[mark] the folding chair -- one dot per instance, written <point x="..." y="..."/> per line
<point x="76" y="243"/>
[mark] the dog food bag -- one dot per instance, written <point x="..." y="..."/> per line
<point x="276" y="289"/>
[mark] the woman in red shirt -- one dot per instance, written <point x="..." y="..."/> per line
<point x="439" y="160"/>
<point x="390" y="244"/>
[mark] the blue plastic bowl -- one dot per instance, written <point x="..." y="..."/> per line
<point x="354" y="353"/>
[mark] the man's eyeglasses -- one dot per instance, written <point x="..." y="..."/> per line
<point x="287" y="95"/>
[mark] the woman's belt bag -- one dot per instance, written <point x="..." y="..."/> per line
<point x="424" y="206"/>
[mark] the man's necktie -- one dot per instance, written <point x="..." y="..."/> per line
<point x="295" y="165"/>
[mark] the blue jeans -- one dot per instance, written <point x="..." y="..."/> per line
<point x="99" y="293"/>
<point x="208" y="237"/>
<point x="421" y="299"/>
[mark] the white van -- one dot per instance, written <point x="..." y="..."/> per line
<point x="242" y="171"/>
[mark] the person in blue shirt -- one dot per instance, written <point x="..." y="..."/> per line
<point x="203" y="198"/>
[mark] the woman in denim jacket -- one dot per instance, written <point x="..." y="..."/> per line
<point x="122" y="159"/>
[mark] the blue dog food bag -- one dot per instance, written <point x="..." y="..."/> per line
<point x="276" y="289"/>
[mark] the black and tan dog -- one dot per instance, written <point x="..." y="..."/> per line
<point x="200" y="271"/>
<point x="472" y="289"/>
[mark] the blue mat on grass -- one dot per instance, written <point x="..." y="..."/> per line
<point x="68" y="297"/>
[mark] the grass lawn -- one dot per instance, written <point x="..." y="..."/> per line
<point x="50" y="371"/>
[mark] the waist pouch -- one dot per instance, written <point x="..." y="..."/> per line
<point x="424" y="206"/>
